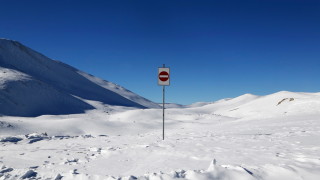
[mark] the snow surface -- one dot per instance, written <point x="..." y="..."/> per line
<point x="31" y="84"/>
<point x="273" y="137"/>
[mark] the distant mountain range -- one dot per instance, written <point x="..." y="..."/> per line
<point x="32" y="84"/>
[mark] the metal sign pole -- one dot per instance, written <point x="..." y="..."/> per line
<point x="163" y="80"/>
<point x="163" y="93"/>
<point x="163" y="98"/>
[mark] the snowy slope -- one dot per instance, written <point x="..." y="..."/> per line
<point x="53" y="78"/>
<point x="22" y="95"/>
<point x="279" y="104"/>
<point x="120" y="90"/>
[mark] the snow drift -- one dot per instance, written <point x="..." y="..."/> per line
<point x="32" y="84"/>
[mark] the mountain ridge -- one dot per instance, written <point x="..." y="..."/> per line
<point x="57" y="78"/>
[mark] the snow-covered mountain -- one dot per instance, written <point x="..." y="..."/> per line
<point x="32" y="84"/>
<point x="249" y="137"/>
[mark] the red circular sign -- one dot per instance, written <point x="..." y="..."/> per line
<point x="163" y="76"/>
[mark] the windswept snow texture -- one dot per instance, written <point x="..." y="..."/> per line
<point x="32" y="84"/>
<point x="273" y="137"/>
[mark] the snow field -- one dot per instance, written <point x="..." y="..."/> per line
<point x="201" y="143"/>
<point x="263" y="151"/>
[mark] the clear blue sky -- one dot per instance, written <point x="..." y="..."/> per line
<point x="216" y="48"/>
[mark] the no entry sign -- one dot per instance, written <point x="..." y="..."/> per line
<point x="164" y="76"/>
<point x="163" y="80"/>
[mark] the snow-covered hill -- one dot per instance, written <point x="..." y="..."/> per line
<point x="31" y="84"/>
<point x="279" y="104"/>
